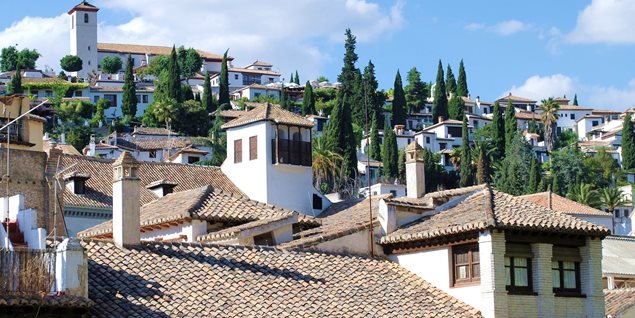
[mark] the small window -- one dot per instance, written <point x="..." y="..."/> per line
<point x="88" y="62"/>
<point x="236" y="76"/>
<point x="78" y="93"/>
<point x="79" y="187"/>
<point x="95" y="99"/>
<point x="238" y="151"/>
<point x="85" y="17"/>
<point x="193" y="159"/>
<point x="264" y="239"/>
<point x="626" y="212"/>
<point x="518" y="272"/>
<point x="317" y="202"/>
<point x="89" y="47"/>
<point x="466" y="264"/>
<point x="565" y="271"/>
<point x="594" y="123"/>
<point x="427" y="140"/>
<point x="152" y="154"/>
<point x="573" y="116"/>
<point x="138" y="97"/>
<point x="144" y="98"/>
<point x="253" y="147"/>
<point x="394" y="193"/>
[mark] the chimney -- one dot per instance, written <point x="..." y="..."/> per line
<point x="92" y="146"/>
<point x="415" y="174"/>
<point x="125" y="201"/>
<point x="63" y="139"/>
<point x="440" y="119"/>
<point x="478" y="99"/>
<point x="71" y="269"/>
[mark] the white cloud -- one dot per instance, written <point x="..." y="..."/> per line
<point x="504" y="28"/>
<point x="288" y="35"/>
<point x="541" y="87"/>
<point x="611" y="97"/>
<point x="605" y="21"/>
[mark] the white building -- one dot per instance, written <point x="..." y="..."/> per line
<point x="256" y="90"/>
<point x="83" y="32"/>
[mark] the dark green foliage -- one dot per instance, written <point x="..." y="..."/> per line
<point x="456" y="107"/>
<point x="533" y="126"/>
<point x="534" y="176"/>
<point x="308" y="100"/>
<point x="174" y="78"/>
<point x="284" y="100"/>
<point x="62" y="75"/>
<point x="71" y="63"/>
<point x="223" y="89"/>
<point x="467" y="173"/>
<point x="207" y="100"/>
<point x="100" y="116"/>
<point x="440" y="107"/>
<point x="601" y="170"/>
<point x="398" y="102"/>
<point x="567" y="169"/>
<point x="339" y="134"/>
<point x="129" y="101"/>
<point x="511" y="125"/>
<point x="15" y="86"/>
<point x="401" y="167"/>
<point x="189" y="61"/>
<point x="390" y="154"/>
<point x="628" y="143"/>
<point x="498" y="132"/>
<point x="483" y="163"/>
<point x="416" y="92"/>
<point x="512" y="174"/>
<point x="79" y="136"/>
<point x="436" y="176"/>
<point x="555" y="185"/>
<point x="450" y="82"/>
<point x="190" y="119"/>
<point x="297" y="78"/>
<point x="219" y="143"/>
<point x="111" y="64"/>
<point x="358" y="105"/>
<point x="461" y="89"/>
<point x="372" y="98"/>
<point x="351" y="79"/>
<point x="374" y="151"/>
<point x="186" y="92"/>
<point x="566" y="138"/>
<point x="11" y="59"/>
<point x="575" y="99"/>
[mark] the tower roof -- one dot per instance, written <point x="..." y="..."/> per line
<point x="125" y="159"/>
<point x="84" y="6"/>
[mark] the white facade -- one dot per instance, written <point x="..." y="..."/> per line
<point x="585" y="124"/>
<point x="397" y="190"/>
<point x="567" y="117"/>
<point x="83" y="32"/>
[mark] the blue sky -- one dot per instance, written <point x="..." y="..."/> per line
<point x="531" y="48"/>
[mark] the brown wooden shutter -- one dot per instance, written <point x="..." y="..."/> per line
<point x="253" y="147"/>
<point x="238" y="151"/>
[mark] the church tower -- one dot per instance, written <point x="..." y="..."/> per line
<point x="84" y="36"/>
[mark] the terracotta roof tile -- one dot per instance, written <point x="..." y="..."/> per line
<point x="515" y="99"/>
<point x="47" y="301"/>
<point x="179" y="279"/>
<point x="153" y="131"/>
<point x="151" y="50"/>
<point x="562" y="204"/>
<point x="617" y="301"/>
<point x="270" y="112"/>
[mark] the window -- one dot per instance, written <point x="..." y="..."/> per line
<point x="427" y="140"/>
<point x="95" y="98"/>
<point x="144" y="98"/>
<point x="78" y="93"/>
<point x="626" y="213"/>
<point x="573" y="116"/>
<point x="257" y="94"/>
<point x="253" y="147"/>
<point x="317" y="202"/>
<point x="617" y="213"/>
<point x="455" y="131"/>
<point x="79" y="187"/>
<point x="264" y="239"/>
<point x="138" y="97"/>
<point x="111" y="98"/>
<point x="465" y="263"/>
<point x="152" y="154"/>
<point x="594" y="123"/>
<point x="193" y="159"/>
<point x="565" y="271"/>
<point x="85" y="17"/>
<point x="270" y="79"/>
<point x="89" y="47"/>
<point x="394" y="193"/>
<point x="249" y="79"/>
<point x="442" y="145"/>
<point x="238" y="151"/>
<point x="236" y="76"/>
<point x="88" y="62"/>
<point x="518" y="267"/>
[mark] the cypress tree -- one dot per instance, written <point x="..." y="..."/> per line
<point x="223" y="89"/>
<point x="415" y="91"/>
<point x="284" y="102"/>
<point x="374" y="151"/>
<point x="533" y="126"/>
<point x="292" y="78"/>
<point x="352" y="86"/>
<point x="482" y="166"/>
<point x="390" y="154"/>
<point x="555" y="185"/>
<point x="297" y="78"/>
<point x="308" y="100"/>
<point x="371" y="97"/>
<point x="450" y="82"/>
<point x="174" y="79"/>
<point x="461" y="89"/>
<point x="511" y="126"/>
<point x="456" y="107"/>
<point x="466" y="172"/>
<point x="129" y="101"/>
<point x="401" y="167"/>
<point x="16" y="83"/>
<point x="534" y="176"/>
<point x="398" y="102"/>
<point x="340" y="136"/>
<point x="208" y="101"/>
<point x="628" y="143"/>
<point x="575" y="99"/>
<point x="498" y="132"/>
<point x="440" y="106"/>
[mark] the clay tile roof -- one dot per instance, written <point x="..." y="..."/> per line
<point x="202" y="203"/>
<point x="574" y="107"/>
<point x="234" y="231"/>
<point x="83" y="6"/>
<point x="492" y="209"/>
<point x="427" y="200"/>
<point x="153" y="131"/>
<point x="157" y="279"/>
<point x="252" y="71"/>
<point x="153" y="144"/>
<point x="269" y="112"/>
<point x="126" y="159"/>
<point x="619" y="301"/>
<point x="66" y="148"/>
<point x="259" y="63"/>
<point x="98" y="192"/>
<point x="515" y="99"/>
<point x="51" y="302"/>
<point x="232" y="113"/>
<point x="151" y="50"/>
<point x="562" y="204"/>
<point x="525" y="115"/>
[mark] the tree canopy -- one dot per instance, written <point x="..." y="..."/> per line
<point x="628" y="143"/>
<point x="11" y="59"/>
<point x="111" y="64"/>
<point x="440" y="107"/>
<point x="129" y="101"/>
<point x="71" y="63"/>
<point x="223" y="93"/>
<point x="461" y="89"/>
<point x="398" y="102"/>
<point x="416" y="92"/>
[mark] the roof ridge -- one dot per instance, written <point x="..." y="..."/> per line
<point x="489" y="205"/>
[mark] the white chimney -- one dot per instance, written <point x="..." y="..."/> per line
<point x="415" y="172"/>
<point x="71" y="274"/>
<point x="92" y="146"/>
<point x="63" y="139"/>
<point x="126" y="227"/>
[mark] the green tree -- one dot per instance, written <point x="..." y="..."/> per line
<point x="567" y="168"/>
<point x="71" y="63"/>
<point x="208" y="100"/>
<point x="339" y="134"/>
<point x="534" y="176"/>
<point x="511" y="126"/>
<point x="129" y="101"/>
<point x="223" y="89"/>
<point x="373" y="99"/>
<point x="575" y="99"/>
<point x="174" y="77"/>
<point x="585" y="194"/>
<point x="11" y="59"/>
<point x="415" y="91"/>
<point x="466" y="172"/>
<point x="628" y="143"/>
<point x="284" y="100"/>
<point x="398" y="102"/>
<point x="440" y="106"/>
<point x="297" y="78"/>
<point x="190" y="62"/>
<point x="15" y="86"/>
<point x="164" y="110"/>
<point x="326" y="162"/>
<point x="456" y="107"/>
<point x="390" y="154"/>
<point x="601" y="169"/>
<point x="512" y="173"/>
<point x="612" y="198"/>
<point x="533" y="127"/>
<point x="401" y="167"/>
<point x="450" y="82"/>
<point x="498" y="131"/>
<point x="461" y="89"/>
<point x="351" y="79"/>
<point x="62" y="76"/>
<point x="308" y="100"/>
<point x="79" y="136"/>
<point x="100" y="116"/>
<point x="483" y="162"/>
<point x="322" y="78"/>
<point x="190" y="118"/>
<point x="549" y="117"/>
<point x="374" y="151"/>
<point x="111" y="64"/>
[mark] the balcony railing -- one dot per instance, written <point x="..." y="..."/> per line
<point x="27" y="272"/>
<point x="293" y="152"/>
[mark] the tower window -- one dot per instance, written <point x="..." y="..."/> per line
<point x="89" y="47"/>
<point x="85" y="17"/>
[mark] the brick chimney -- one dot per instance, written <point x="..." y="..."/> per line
<point x="415" y="172"/>
<point x="125" y="201"/>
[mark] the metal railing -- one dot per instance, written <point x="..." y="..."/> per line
<point x="27" y="272"/>
<point x="293" y="152"/>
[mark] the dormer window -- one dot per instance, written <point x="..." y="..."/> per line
<point x="85" y="17"/>
<point x="76" y="182"/>
<point x="161" y="187"/>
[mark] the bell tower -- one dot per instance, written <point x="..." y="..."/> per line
<point x="83" y="31"/>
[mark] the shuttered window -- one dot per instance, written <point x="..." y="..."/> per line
<point x="253" y="147"/>
<point x="238" y="150"/>
<point x="466" y="264"/>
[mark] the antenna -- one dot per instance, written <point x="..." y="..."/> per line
<point x="370" y="193"/>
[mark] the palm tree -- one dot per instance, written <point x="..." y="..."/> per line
<point x="163" y="110"/>
<point x="611" y="198"/>
<point x="585" y="194"/>
<point x="455" y="158"/>
<point x="549" y="118"/>
<point x="326" y="162"/>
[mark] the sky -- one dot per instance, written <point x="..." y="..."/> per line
<point x="536" y="49"/>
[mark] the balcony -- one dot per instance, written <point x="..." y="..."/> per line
<point x="27" y="272"/>
<point x="292" y="152"/>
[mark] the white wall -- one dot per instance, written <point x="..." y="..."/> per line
<point x="566" y="122"/>
<point x="83" y="40"/>
<point x="357" y="243"/>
